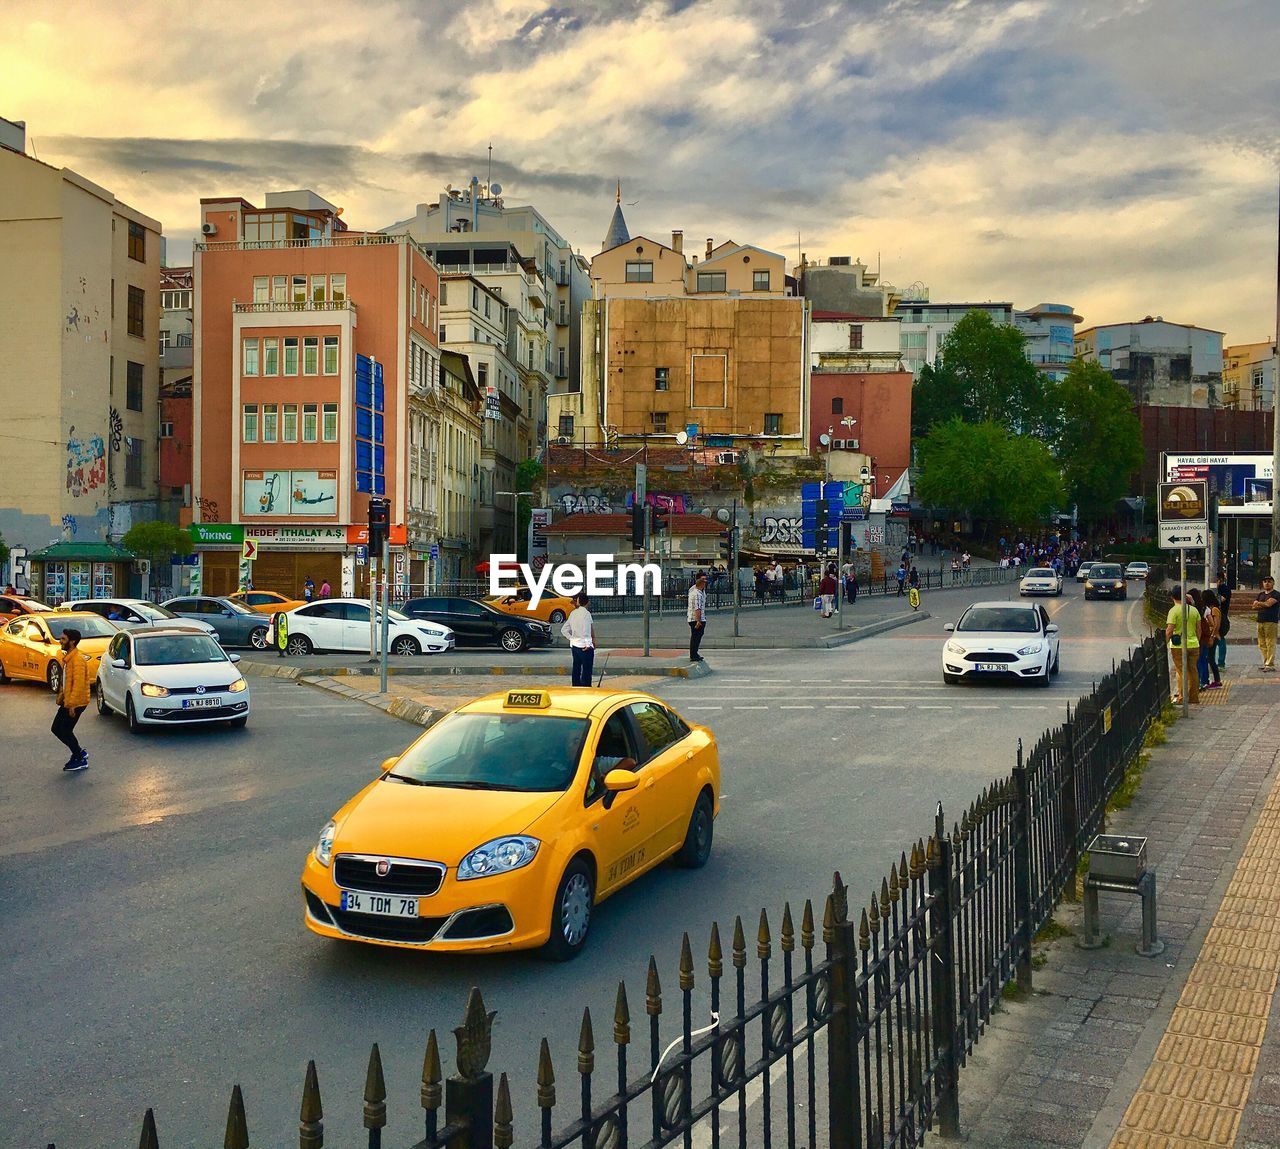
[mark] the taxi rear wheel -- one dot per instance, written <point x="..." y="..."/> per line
<point x="53" y="676"/>
<point x="696" y="850"/>
<point x="557" y="615"/>
<point x="571" y="912"/>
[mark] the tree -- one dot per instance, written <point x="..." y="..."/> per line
<point x="157" y="541"/>
<point x="1099" y="445"/>
<point x="4" y="551"/>
<point x="982" y="374"/>
<point x="986" y="470"/>
<point x="529" y="474"/>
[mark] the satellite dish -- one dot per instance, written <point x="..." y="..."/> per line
<point x="825" y="440"/>
<point x="448" y="187"/>
<point x="682" y="437"/>
<point x="495" y="189"/>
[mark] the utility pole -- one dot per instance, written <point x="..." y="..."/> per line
<point x="373" y="606"/>
<point x="733" y="566"/>
<point x="1275" y="422"/>
<point x="648" y="524"/>
<point x="1183" y="627"/>
<point x="386" y="614"/>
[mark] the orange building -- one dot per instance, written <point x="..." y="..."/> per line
<point x="309" y="339"/>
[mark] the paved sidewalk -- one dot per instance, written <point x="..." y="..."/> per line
<point x="1116" y="1050"/>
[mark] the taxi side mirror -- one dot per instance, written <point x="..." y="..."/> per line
<point x="622" y="777"/>
<point x="387" y="763"/>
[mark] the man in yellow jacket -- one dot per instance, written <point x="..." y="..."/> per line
<point x="73" y="697"/>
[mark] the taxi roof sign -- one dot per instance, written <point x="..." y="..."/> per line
<point x="527" y="700"/>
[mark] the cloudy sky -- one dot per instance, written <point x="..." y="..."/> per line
<point x="1117" y="155"/>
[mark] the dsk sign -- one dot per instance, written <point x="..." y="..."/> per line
<point x="1184" y="515"/>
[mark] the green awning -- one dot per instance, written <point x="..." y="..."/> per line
<point x="82" y="552"/>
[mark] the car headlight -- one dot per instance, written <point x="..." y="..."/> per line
<point x="153" y="691"/>
<point x="324" y="847"/>
<point x="500" y="856"/>
<point x="955" y="648"/>
<point x="1032" y="648"/>
<point x="237" y="686"/>
<point x="1088" y="585"/>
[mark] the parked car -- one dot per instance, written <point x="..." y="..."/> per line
<point x="1106" y="580"/>
<point x="166" y="676"/>
<point x="343" y="624"/>
<point x="129" y="613"/>
<point x="1001" y="640"/>
<point x="479" y="624"/>
<point x="266" y="601"/>
<point x="1040" y="580"/>
<point x="235" y="623"/>
<point x="1137" y="570"/>
<point x="552" y="608"/>
<point x="12" y="605"/>
<point x="29" y="645"/>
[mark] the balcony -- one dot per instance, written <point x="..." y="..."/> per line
<point x="305" y="305"/>
<point x="369" y="239"/>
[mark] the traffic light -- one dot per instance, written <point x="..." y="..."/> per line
<point x="379" y="524"/>
<point x="661" y="519"/>
<point x="820" y="517"/>
<point x="637" y="526"/>
<point x="726" y="545"/>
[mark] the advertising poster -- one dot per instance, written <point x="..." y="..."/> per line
<point x="265" y="493"/>
<point x="1240" y="484"/>
<point x="313" y="493"/>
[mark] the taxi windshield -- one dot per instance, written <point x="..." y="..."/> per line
<point x="176" y="649"/>
<point x="532" y="753"/>
<point x="89" y="626"/>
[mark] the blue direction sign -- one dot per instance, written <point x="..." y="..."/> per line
<point x="362" y="555"/>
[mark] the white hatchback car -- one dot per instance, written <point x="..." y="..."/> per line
<point x="1040" y="580"/>
<point x="1137" y="570"/>
<point x="342" y="624"/>
<point x="1001" y="640"/>
<point x="164" y="676"/>
<point x="129" y="613"/>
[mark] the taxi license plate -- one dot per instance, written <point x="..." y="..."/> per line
<point x="997" y="666"/>
<point x="386" y="905"/>
<point x="201" y="703"/>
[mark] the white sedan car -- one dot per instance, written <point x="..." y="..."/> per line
<point x="1001" y="640"/>
<point x="1040" y="580"/>
<point x="163" y="676"/>
<point x="128" y="613"/>
<point x="342" y="624"/>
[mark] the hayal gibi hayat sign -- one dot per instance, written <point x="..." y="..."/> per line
<point x="602" y="577"/>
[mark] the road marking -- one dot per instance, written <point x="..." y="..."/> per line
<point x="833" y="707"/>
<point x="704" y="707"/>
<point x="751" y="708"/>
<point x="933" y="708"/>
<point x="1028" y="708"/>
<point x="894" y="708"/>
<point x="970" y="706"/>
<point x="795" y="708"/>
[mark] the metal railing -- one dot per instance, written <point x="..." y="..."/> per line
<point x="858" y="1026"/>
<point x="294" y="305"/>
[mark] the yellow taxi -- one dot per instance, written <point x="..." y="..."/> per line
<point x="505" y="823"/>
<point x="266" y="601"/>
<point x="29" y="645"/>
<point x="550" y="608"/>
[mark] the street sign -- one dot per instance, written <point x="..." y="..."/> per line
<point x="362" y="555"/>
<point x="1183" y="514"/>
<point x="642" y="483"/>
<point x="249" y="550"/>
<point x="435" y="552"/>
<point x="1174" y="537"/>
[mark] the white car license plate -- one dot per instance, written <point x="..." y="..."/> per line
<point x="387" y="905"/>
<point x="209" y="703"/>
<point x="992" y="666"/>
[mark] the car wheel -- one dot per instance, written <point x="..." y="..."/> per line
<point x="103" y="709"/>
<point x="1045" y="678"/>
<point x="238" y="723"/>
<point x="1057" y="662"/>
<point x="53" y="676"/>
<point x="696" y="850"/>
<point x="405" y="647"/>
<point x="557" y="615"/>
<point x="258" y="638"/>
<point x="298" y="644"/>
<point x="511" y="640"/>
<point x="950" y="679"/>
<point x="135" y="727"/>
<point x="571" y="912"/>
<point x="3" y="677"/>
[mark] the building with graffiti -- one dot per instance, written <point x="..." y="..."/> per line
<point x="79" y="356"/>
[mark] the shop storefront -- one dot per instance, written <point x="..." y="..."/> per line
<point x="71" y="570"/>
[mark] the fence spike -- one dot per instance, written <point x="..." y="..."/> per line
<point x="903" y="871"/>
<point x="933" y="856"/>
<point x="715" y="956"/>
<point x="686" y="964"/>
<point x="653" y="990"/>
<point x="148" y="1140"/>
<point x="829" y="920"/>
<point x="621" y="1017"/>
<point x="763" y="941"/>
<point x="375" y="1092"/>
<point x="237" y="1135"/>
<point x="474" y="1037"/>
<point x="430" y="1091"/>
<point x="788" y="934"/>
<point x="806" y="925"/>
<point x="873" y="915"/>
<point x="586" y="1045"/>
<point x="311" y="1115"/>
<point x="841" y="892"/>
<point x="739" y="944"/>
<point x="885" y="900"/>
<point x="895" y="883"/>
<point x="546" y="1078"/>
<point x="503" y="1134"/>
<point x="864" y="932"/>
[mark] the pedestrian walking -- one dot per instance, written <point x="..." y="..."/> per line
<point x="697" y="616"/>
<point x="1224" y="625"/>
<point x="325" y="589"/>
<point x="308" y="589"/>
<point x="1182" y="628"/>
<point x="580" y="629"/>
<point x="851" y="585"/>
<point x="827" y="590"/>
<point x="901" y="576"/>
<point x="73" y="697"/>
<point x="1209" y="650"/>
<point x="1267" y="604"/>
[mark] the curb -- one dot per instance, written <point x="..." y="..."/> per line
<point x="266" y="670"/>
<point x="692" y="670"/>
<point x="403" y="708"/>
<point x="844" y="638"/>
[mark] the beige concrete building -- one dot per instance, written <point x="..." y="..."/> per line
<point x="1249" y="376"/>
<point x="79" y="359"/>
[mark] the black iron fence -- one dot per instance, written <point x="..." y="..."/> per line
<point x="854" y="1028"/>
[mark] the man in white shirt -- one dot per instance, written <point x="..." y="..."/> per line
<point x="697" y="616"/>
<point x="580" y="629"/>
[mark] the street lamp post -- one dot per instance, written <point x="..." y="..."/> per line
<point x="515" y="508"/>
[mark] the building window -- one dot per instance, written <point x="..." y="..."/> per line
<point x="166" y="430"/>
<point x="261" y="289"/>
<point x="330" y="354"/>
<point x="291" y="355"/>
<point x="289" y="424"/>
<point x="442" y="335"/>
<point x="271" y="356"/>
<point x="279" y="289"/>
<point x="250" y="357"/>
<point x="137" y="242"/>
<point x="250" y="424"/>
<point x="338" y="288"/>
<point x="837" y="405"/>
<point x="711" y="281"/>
<point x="759" y="281"/>
<point x="164" y="342"/>
<point x="133" y="387"/>
<point x="329" y="429"/>
<point x="566" y="427"/>
<point x="659" y="420"/>
<point x="299" y="289"/>
<point x="270" y="422"/>
<point x="137" y="308"/>
<point x="175" y="301"/>
<point x="640" y="271"/>
<point x="317" y="288"/>
<point x="661" y="378"/>
<point x="855" y="337"/>
<point x="444" y="293"/>
<point x="133" y="462"/>
<point x="773" y="424"/>
<point x="309" y="418"/>
<point x="311" y="355"/>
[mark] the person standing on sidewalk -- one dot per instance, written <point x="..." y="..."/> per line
<point x="827" y="589"/>
<point x="1267" y="604"/>
<point x="73" y="697"/>
<point x="580" y="629"/>
<point x="1182" y="628"/>
<point x="1209" y="650"/>
<point x="697" y="616"/>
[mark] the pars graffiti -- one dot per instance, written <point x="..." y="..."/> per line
<point x="571" y="504"/>
<point x="86" y="463"/>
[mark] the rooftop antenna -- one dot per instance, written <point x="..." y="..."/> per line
<point x="489" y="177"/>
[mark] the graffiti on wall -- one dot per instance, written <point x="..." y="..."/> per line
<point x="675" y="503"/>
<point x="86" y="463"/>
<point x="781" y="531"/>
<point x="117" y="429"/>
<point x="208" y="510"/>
<point x="571" y="504"/>
<point x="69" y="526"/>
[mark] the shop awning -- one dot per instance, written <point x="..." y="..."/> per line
<point x="70" y="551"/>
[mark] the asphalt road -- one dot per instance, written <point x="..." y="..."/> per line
<point x="153" y="948"/>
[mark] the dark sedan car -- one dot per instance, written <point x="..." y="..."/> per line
<point x="1106" y="580"/>
<point x="478" y="624"/>
<point x="236" y="625"/>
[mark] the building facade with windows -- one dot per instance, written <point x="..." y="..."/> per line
<point x="310" y="339"/>
<point x="458" y="426"/>
<point x="1161" y="364"/>
<point x="1249" y="376"/>
<point x="1049" y="330"/>
<point x="79" y="366"/>
<point x="177" y="331"/>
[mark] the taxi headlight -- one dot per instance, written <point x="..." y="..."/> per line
<point x="1031" y="648"/>
<point x="500" y="856"/>
<point x="237" y="686"/>
<point x="954" y="648"/>
<point x="152" y="691"/>
<point x="324" y="847"/>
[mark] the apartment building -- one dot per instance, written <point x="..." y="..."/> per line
<point x="310" y="340"/>
<point x="79" y="370"/>
<point x="1162" y="364"/>
<point x="1049" y="331"/>
<point x="177" y="331"/>
<point x="458" y="455"/>
<point x="1249" y="376"/>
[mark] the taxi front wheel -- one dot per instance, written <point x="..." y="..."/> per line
<point x="696" y="850"/>
<point x="571" y="912"/>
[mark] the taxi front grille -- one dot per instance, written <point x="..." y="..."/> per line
<point x="385" y="929"/>
<point x="404" y="877"/>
